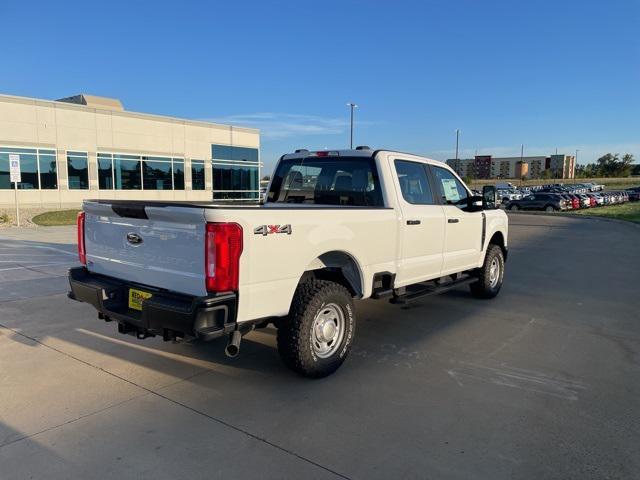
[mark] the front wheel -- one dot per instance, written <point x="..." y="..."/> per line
<point x="513" y="208"/>
<point x="490" y="275"/>
<point x="549" y="209"/>
<point x="316" y="336"/>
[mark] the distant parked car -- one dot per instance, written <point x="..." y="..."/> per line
<point x="634" y="194"/>
<point x="538" y="201"/>
<point x="592" y="200"/>
<point x="575" y="199"/>
<point x="599" y="199"/>
<point x="584" y="201"/>
<point x="506" y="196"/>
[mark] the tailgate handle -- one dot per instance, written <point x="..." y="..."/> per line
<point x="130" y="211"/>
<point x="453" y="220"/>
<point x="413" y="222"/>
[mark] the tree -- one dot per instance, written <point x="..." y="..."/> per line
<point x="266" y="178"/>
<point x="626" y="167"/>
<point x="610" y="165"/>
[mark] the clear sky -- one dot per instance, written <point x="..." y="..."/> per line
<point x="550" y="74"/>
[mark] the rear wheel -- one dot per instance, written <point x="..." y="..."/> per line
<point x="513" y="208"/>
<point x="490" y="275"/>
<point x="316" y="336"/>
<point x="549" y="209"/>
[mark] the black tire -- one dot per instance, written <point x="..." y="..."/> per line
<point x="487" y="286"/>
<point x="296" y="340"/>
<point x="513" y="208"/>
<point x="549" y="208"/>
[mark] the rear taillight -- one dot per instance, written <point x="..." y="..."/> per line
<point x="223" y="247"/>
<point x="82" y="253"/>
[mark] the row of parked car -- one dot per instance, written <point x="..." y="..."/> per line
<point x="561" y="198"/>
<point x="508" y="192"/>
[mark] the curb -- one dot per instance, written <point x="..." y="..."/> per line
<point x="573" y="215"/>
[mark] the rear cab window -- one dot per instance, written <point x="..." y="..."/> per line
<point x="414" y="182"/>
<point x="349" y="181"/>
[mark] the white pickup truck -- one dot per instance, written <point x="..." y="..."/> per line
<point x="335" y="226"/>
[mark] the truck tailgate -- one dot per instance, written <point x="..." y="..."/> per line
<point x="160" y="246"/>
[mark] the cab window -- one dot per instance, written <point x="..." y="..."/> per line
<point x="452" y="191"/>
<point x="351" y="181"/>
<point x="414" y="182"/>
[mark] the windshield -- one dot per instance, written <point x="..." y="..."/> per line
<point x="351" y="181"/>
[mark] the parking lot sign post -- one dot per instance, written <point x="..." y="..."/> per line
<point x="15" y="178"/>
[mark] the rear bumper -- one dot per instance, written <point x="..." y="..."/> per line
<point x="167" y="314"/>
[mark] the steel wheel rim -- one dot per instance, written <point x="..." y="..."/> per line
<point x="494" y="273"/>
<point x="327" y="330"/>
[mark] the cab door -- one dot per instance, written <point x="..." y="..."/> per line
<point x="463" y="232"/>
<point x="422" y="226"/>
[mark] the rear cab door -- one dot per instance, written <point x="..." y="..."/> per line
<point x="463" y="228"/>
<point x="422" y="222"/>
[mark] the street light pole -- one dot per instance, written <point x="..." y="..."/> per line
<point x="457" y="141"/>
<point x="575" y="164"/>
<point x="352" y="106"/>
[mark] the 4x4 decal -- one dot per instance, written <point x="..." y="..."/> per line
<point x="269" y="229"/>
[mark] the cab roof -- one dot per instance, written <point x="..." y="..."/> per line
<point x="354" y="152"/>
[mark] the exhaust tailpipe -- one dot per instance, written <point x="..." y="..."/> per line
<point x="233" y="347"/>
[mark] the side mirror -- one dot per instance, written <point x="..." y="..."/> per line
<point x="489" y="201"/>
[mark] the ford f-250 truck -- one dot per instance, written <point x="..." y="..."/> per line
<point x="335" y="226"/>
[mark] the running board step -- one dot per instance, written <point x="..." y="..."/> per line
<point x="378" y="294"/>
<point x="426" y="289"/>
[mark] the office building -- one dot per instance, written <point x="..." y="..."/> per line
<point x="85" y="146"/>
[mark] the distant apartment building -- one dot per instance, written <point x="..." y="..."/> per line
<point x="487" y="166"/>
<point x="562" y="166"/>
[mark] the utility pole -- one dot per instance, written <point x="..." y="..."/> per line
<point x="575" y="164"/>
<point x="351" y="105"/>
<point x="457" y="142"/>
<point x="521" y="159"/>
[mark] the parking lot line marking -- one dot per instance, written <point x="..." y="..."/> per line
<point x="21" y="261"/>
<point x="42" y="247"/>
<point x="33" y="266"/>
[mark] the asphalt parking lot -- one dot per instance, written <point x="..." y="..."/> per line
<point x="542" y="382"/>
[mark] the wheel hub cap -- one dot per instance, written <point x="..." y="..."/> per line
<point x="494" y="272"/>
<point x="327" y="330"/>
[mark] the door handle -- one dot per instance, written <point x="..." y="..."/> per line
<point x="413" y="222"/>
<point x="453" y="220"/>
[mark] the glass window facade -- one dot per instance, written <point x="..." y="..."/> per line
<point x="137" y="172"/>
<point x="235" y="172"/>
<point x="78" y="170"/>
<point x="37" y="168"/>
<point x="156" y="174"/>
<point x="234" y="177"/>
<point x="105" y="171"/>
<point x="197" y="174"/>
<point x="178" y="174"/>
<point x="126" y="171"/>
<point x="226" y="152"/>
